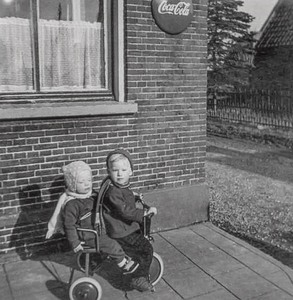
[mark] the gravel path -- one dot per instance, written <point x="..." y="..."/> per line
<point x="251" y="193"/>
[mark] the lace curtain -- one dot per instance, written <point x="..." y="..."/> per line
<point x="15" y="55"/>
<point x="71" y="55"/>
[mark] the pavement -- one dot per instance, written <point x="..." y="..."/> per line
<point x="201" y="262"/>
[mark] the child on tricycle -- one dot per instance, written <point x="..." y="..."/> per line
<point x="118" y="216"/>
<point x="122" y="217"/>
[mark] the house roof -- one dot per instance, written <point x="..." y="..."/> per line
<point x="278" y="29"/>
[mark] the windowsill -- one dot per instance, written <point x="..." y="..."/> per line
<point x="65" y="109"/>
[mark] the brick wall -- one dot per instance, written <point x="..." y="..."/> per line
<point x="166" y="76"/>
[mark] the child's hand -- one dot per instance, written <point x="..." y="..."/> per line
<point x="138" y="196"/>
<point x="151" y="210"/>
<point x="78" y="248"/>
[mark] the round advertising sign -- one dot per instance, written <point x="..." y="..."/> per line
<point x="172" y="16"/>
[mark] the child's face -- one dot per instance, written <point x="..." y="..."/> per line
<point x="120" y="171"/>
<point x="84" y="182"/>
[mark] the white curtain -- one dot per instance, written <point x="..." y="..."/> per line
<point x="16" y="73"/>
<point x="71" y="55"/>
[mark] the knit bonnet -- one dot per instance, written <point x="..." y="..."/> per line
<point x="71" y="171"/>
<point x="123" y="152"/>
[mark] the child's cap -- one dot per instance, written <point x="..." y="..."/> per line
<point x="122" y="152"/>
<point x="70" y="173"/>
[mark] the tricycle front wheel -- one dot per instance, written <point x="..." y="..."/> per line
<point x="156" y="269"/>
<point x="85" y="288"/>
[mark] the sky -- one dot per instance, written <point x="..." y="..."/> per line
<point x="260" y="9"/>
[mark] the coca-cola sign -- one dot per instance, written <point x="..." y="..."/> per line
<point x="172" y="16"/>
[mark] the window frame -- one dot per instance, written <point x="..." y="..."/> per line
<point x="79" y="103"/>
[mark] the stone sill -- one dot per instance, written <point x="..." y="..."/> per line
<point x="65" y="109"/>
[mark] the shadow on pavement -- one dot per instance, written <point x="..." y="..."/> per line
<point x="58" y="289"/>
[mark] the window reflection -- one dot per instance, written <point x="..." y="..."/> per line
<point x="70" y="45"/>
<point x="15" y="8"/>
<point x="72" y="10"/>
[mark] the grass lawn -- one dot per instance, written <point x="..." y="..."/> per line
<point x="251" y="193"/>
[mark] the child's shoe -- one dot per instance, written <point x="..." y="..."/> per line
<point x="129" y="266"/>
<point x="141" y="284"/>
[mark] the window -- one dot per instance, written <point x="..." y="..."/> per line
<point x="57" y="58"/>
<point x="55" y="46"/>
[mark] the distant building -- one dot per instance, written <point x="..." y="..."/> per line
<point x="274" y="50"/>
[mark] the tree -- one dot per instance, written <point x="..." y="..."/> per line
<point x="230" y="44"/>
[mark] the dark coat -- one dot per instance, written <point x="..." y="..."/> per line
<point x="77" y="213"/>
<point x="120" y="214"/>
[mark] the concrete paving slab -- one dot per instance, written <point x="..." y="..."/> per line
<point x="220" y="239"/>
<point x="191" y="282"/>
<point x="173" y="259"/>
<point x="56" y="294"/>
<point x="216" y="295"/>
<point x="221" y="234"/>
<point x="31" y="283"/>
<point x="188" y="243"/>
<point x="162" y="292"/>
<point x="258" y="264"/>
<point x="161" y="295"/>
<point x="22" y="267"/>
<point x="275" y="295"/>
<point x="3" y="279"/>
<point x="245" y="284"/>
<point x="202" y="262"/>
<point x="283" y="280"/>
<point x="215" y="262"/>
<point x="58" y="272"/>
<point x="6" y="292"/>
<point x="203" y="253"/>
<point x="4" y="285"/>
<point x="179" y="237"/>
